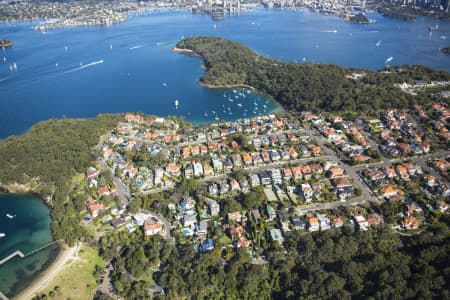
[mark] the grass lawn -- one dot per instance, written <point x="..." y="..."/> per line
<point x="76" y="281"/>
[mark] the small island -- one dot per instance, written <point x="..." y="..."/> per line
<point x="446" y="50"/>
<point x="360" y="19"/>
<point x="5" y="43"/>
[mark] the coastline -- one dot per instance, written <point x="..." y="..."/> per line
<point x="48" y="274"/>
<point x="181" y="50"/>
<point x="227" y="86"/>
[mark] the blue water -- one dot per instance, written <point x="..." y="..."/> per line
<point x="28" y="230"/>
<point x="50" y="83"/>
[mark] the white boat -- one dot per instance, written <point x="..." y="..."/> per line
<point x="378" y="43"/>
<point x="2" y="234"/>
<point x="4" y="58"/>
<point x="236" y="97"/>
<point x="177" y="103"/>
<point x="14" y="65"/>
<point x="234" y="91"/>
<point x="10" y="216"/>
<point x="231" y="100"/>
<point x="216" y="118"/>
<point x="388" y="60"/>
<point x="248" y="92"/>
<point x="110" y="47"/>
<point x="164" y="84"/>
<point x="239" y="104"/>
<point x="66" y="48"/>
<point x="56" y="65"/>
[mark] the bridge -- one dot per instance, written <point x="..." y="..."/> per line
<point x="22" y="255"/>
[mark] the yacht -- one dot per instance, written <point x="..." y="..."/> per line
<point x="388" y="60"/>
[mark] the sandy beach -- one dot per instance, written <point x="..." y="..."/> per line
<point x="49" y="274"/>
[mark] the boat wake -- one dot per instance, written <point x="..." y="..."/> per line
<point x="5" y="78"/>
<point x="82" y="67"/>
<point x="136" y="47"/>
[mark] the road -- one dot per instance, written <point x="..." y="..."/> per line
<point x="123" y="192"/>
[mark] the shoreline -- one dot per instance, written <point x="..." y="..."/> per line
<point x="181" y="50"/>
<point x="228" y="86"/>
<point x="49" y="273"/>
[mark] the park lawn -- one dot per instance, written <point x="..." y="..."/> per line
<point x="77" y="280"/>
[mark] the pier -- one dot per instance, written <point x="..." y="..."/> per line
<point x="21" y="255"/>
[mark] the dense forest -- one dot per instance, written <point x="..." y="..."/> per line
<point x="48" y="156"/>
<point x="377" y="264"/>
<point x="315" y="87"/>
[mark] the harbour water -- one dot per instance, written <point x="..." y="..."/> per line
<point x="25" y="220"/>
<point x="83" y="71"/>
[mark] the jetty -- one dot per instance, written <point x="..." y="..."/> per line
<point x="22" y="255"/>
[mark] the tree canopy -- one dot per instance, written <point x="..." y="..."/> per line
<point x="307" y="86"/>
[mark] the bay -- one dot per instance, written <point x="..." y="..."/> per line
<point x="129" y="67"/>
<point x="26" y="229"/>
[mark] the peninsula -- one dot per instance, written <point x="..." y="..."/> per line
<point x="5" y="43"/>
<point x="308" y="86"/>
